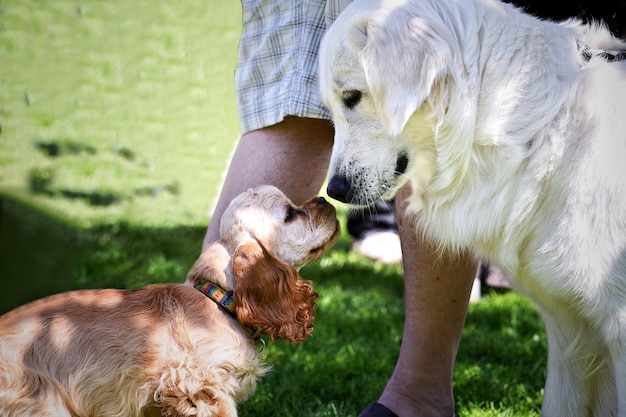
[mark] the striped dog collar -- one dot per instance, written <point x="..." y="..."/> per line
<point x="223" y="298"/>
<point x="226" y="300"/>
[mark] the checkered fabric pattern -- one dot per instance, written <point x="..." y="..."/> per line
<point x="277" y="64"/>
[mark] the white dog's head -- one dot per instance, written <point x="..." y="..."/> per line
<point x="387" y="68"/>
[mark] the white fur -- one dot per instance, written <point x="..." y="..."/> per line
<point x="517" y="151"/>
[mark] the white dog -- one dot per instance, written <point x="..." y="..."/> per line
<point x="511" y="131"/>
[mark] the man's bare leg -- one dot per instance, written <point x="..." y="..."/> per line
<point x="292" y="155"/>
<point x="437" y="289"/>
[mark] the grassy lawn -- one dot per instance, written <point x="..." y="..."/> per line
<point x="117" y="120"/>
<point x="117" y="110"/>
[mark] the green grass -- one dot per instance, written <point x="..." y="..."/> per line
<point x="117" y="121"/>
<point x="136" y="98"/>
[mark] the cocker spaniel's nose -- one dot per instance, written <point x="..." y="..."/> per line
<point x="339" y="189"/>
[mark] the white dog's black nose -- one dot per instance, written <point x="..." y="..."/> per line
<point x="339" y="189"/>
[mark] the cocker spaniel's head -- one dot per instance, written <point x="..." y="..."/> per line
<point x="296" y="235"/>
<point x="268" y="239"/>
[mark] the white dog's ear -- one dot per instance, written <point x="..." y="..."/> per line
<point x="402" y="59"/>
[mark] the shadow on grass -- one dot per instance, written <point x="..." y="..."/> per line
<point x="40" y="256"/>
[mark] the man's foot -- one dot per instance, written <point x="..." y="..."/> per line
<point x="379" y="410"/>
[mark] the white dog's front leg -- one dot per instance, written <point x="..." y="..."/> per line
<point x="567" y="390"/>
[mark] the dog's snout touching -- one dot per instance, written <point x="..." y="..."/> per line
<point x="339" y="189"/>
<point x="401" y="164"/>
<point x="320" y="208"/>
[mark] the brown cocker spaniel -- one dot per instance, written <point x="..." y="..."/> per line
<point x="172" y="350"/>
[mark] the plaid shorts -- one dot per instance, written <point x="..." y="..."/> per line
<point x="276" y="74"/>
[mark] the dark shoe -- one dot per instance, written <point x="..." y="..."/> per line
<point x="377" y="410"/>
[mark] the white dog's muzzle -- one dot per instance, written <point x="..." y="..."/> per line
<point x="346" y="189"/>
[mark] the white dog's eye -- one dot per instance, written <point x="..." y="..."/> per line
<point x="351" y="98"/>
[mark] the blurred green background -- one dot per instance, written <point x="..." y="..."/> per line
<point x="127" y="107"/>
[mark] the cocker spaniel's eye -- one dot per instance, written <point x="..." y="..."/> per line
<point x="291" y="213"/>
<point x="351" y="98"/>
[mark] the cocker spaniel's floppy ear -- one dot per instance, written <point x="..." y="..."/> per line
<point x="269" y="293"/>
